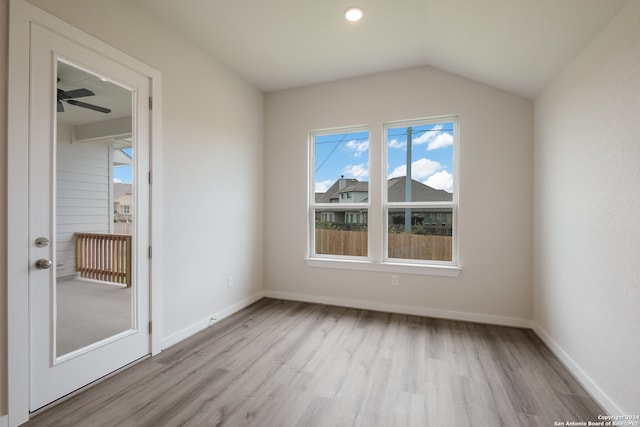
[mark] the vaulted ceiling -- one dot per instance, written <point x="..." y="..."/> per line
<point x="515" y="45"/>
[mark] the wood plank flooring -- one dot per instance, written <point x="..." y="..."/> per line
<point x="282" y="363"/>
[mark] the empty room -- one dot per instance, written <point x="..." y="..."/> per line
<point x="331" y="213"/>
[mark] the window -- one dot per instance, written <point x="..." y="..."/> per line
<point x="340" y="165"/>
<point x="395" y="214"/>
<point x="420" y="201"/>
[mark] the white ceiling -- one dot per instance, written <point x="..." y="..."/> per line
<point x="515" y="45"/>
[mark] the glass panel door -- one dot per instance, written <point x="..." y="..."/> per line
<point x="89" y="281"/>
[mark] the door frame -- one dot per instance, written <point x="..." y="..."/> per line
<point x="21" y="15"/>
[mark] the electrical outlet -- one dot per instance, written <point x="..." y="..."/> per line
<point x="229" y="281"/>
<point x="394" y="280"/>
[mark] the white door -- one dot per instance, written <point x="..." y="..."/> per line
<point x="89" y="216"/>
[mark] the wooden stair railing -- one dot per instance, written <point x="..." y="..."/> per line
<point x="105" y="257"/>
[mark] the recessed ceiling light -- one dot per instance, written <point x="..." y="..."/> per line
<point x="353" y="14"/>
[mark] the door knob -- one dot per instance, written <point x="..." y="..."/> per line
<point x="43" y="264"/>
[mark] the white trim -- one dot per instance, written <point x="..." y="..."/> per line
<point x="404" y="309"/>
<point x="579" y="374"/>
<point x="200" y="325"/>
<point x="156" y="211"/>
<point x="385" y="267"/>
<point x="21" y="15"/>
<point x="4" y="421"/>
<point x="17" y="223"/>
<point x="112" y="194"/>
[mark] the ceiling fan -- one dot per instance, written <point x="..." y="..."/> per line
<point x="70" y="95"/>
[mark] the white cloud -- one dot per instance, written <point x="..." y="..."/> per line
<point x="394" y="143"/>
<point x="429" y="135"/>
<point x="434" y="138"/>
<point x="399" y="171"/>
<point x="424" y="167"/>
<point x="442" y="180"/>
<point x="323" y="186"/>
<point x="440" y="141"/>
<point x="358" y="147"/>
<point x="420" y="169"/>
<point x="117" y="180"/>
<point x="355" y="171"/>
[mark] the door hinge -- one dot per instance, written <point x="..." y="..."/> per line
<point x="150" y="327"/>
<point x="150" y="253"/>
<point x="150" y="178"/>
<point x="150" y="103"/>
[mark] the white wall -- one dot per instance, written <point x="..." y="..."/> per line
<point x="213" y="161"/>
<point x="586" y="222"/>
<point x="4" y="26"/>
<point x="495" y="193"/>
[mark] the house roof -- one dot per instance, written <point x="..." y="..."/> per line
<point x="397" y="189"/>
<point x="362" y="187"/>
<point x="516" y="45"/>
<point x="120" y="189"/>
<point x="419" y="191"/>
<point x="334" y="191"/>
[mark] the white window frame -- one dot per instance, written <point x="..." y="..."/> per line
<point x="377" y="261"/>
<point x="453" y="204"/>
<point x="312" y="205"/>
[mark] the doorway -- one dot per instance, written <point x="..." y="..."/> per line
<point x="74" y="319"/>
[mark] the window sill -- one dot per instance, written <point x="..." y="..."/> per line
<point x="386" y="267"/>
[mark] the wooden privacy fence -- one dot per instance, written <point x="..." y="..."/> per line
<point x="105" y="257"/>
<point x="405" y="246"/>
<point x="420" y="246"/>
<point x="338" y="242"/>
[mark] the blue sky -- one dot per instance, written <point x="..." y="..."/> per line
<point x="348" y="154"/>
<point x="123" y="173"/>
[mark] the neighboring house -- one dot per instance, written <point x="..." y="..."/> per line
<point x="122" y="202"/>
<point x="344" y="190"/>
<point x="350" y="190"/>
<point x="432" y="220"/>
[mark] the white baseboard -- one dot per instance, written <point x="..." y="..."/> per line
<point x="402" y="309"/>
<point x="579" y="374"/>
<point x="4" y="421"/>
<point x="208" y="321"/>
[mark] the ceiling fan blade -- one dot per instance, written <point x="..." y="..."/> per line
<point x="77" y="93"/>
<point x="89" y="106"/>
<point x="60" y="107"/>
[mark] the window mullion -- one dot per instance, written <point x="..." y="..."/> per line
<point x="376" y="213"/>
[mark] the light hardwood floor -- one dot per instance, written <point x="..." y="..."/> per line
<point x="280" y="363"/>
